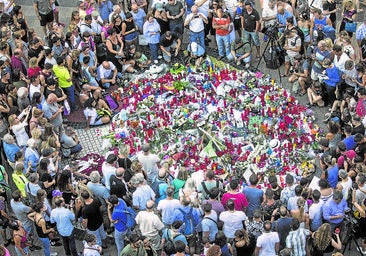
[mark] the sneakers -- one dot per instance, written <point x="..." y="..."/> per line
<point x="54" y="243"/>
<point x="156" y="61"/>
<point x="238" y="62"/>
<point x="53" y="254"/>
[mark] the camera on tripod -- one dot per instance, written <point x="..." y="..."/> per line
<point x="271" y="31"/>
<point x="350" y="221"/>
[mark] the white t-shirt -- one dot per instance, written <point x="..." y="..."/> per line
<point x="33" y="89"/>
<point x="267" y="243"/>
<point x="105" y="73"/>
<point x="346" y="186"/>
<point x="108" y="170"/>
<point x="20" y="133"/>
<point x="6" y="3"/>
<point x="204" y="8"/>
<point x="91" y="112"/>
<point x="149" y="162"/>
<point x="167" y="208"/>
<point x="232" y="222"/>
<point x="268" y="12"/>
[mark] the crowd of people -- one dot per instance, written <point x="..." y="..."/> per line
<point x="148" y="209"/>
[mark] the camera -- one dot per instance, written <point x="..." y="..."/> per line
<point x="271" y="31"/>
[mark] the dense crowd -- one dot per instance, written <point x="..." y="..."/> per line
<point x="151" y="206"/>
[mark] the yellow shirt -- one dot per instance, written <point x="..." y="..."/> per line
<point x="63" y="74"/>
<point x="20" y="180"/>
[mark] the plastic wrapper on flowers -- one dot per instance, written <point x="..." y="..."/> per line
<point x="221" y="119"/>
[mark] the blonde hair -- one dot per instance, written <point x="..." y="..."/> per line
<point x="33" y="62"/>
<point x="347" y="5"/>
<point x="301" y="204"/>
<point x="323" y="236"/>
<point x="328" y="41"/>
<point x="11" y="119"/>
<point x="36" y="133"/>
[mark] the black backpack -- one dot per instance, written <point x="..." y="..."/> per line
<point x="169" y="247"/>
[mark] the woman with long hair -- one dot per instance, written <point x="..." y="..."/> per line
<point x="20" y="238"/>
<point x="124" y="162"/>
<point x="243" y="244"/>
<point x="46" y="181"/>
<point x="323" y="242"/>
<point x="18" y="128"/>
<point x="179" y="182"/>
<point x="44" y="233"/>
<point x="300" y="213"/>
<point x="75" y="22"/>
<point x="349" y="16"/>
<point x="65" y="186"/>
<point x="74" y="67"/>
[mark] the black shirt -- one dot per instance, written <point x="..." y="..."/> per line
<point x="330" y="7"/>
<point x="35" y="53"/>
<point x="118" y="187"/>
<point x="126" y="163"/>
<point x="168" y="42"/>
<point x="250" y="20"/>
<point x="361" y="150"/>
<point x="91" y="212"/>
<point x="358" y="129"/>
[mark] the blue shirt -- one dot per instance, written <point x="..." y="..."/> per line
<point x="331" y="208"/>
<point x="10" y="151"/>
<point x="91" y="62"/>
<point x="350" y="142"/>
<point x="119" y="216"/>
<point x="105" y="9"/>
<point x="333" y="75"/>
<point x="63" y="218"/>
<point x="195" y="213"/>
<point x="98" y="189"/>
<point x="254" y="197"/>
<point x="333" y="176"/>
<point x="139" y="17"/>
<point x="141" y="195"/>
<point x="209" y="225"/>
<point x="149" y="28"/>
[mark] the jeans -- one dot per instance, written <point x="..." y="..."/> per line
<point x="198" y="37"/>
<point x="69" y="245"/>
<point x="154" y="51"/>
<point x="46" y="246"/>
<point x="223" y="45"/>
<point x="176" y="27"/>
<point x="99" y="233"/>
<point x="25" y="250"/>
<point x="108" y="84"/>
<point x="119" y="237"/>
<point x="76" y="149"/>
<point x="70" y="92"/>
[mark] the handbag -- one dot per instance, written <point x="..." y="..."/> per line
<point x="351" y="27"/>
<point x="143" y="40"/>
<point x="67" y="109"/>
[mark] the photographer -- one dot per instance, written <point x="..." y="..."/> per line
<point x="63" y="216"/>
<point x="334" y="210"/>
<point x="315" y="95"/>
<point x="292" y="47"/>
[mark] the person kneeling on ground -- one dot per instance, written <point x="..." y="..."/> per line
<point x="168" y="42"/>
<point x="315" y="95"/>
<point x="197" y="53"/>
<point x="107" y="74"/>
<point x="241" y="51"/>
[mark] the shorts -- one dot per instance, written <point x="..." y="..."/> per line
<point x="252" y="37"/>
<point x="125" y="67"/>
<point x="289" y="59"/>
<point x="46" y="18"/>
<point x="97" y="121"/>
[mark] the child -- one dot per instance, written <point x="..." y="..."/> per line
<point x="142" y="60"/>
<point x="90" y="246"/>
<point x="206" y="245"/>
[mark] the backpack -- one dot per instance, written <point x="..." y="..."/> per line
<point x="206" y="190"/>
<point x="169" y="247"/>
<point x="130" y="218"/>
<point x="188" y="226"/>
<point x="155" y="186"/>
<point x="111" y="101"/>
<point x="101" y="52"/>
<point x="300" y="34"/>
<point x="30" y="199"/>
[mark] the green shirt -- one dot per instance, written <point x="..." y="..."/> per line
<point x="177" y="184"/>
<point x="63" y="74"/>
<point x="240" y="50"/>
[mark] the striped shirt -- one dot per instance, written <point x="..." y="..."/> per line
<point x="296" y="240"/>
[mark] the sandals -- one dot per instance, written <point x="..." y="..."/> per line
<point x="302" y="93"/>
<point x="284" y="75"/>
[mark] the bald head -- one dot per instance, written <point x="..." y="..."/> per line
<point x="119" y="172"/>
<point x="150" y="205"/>
<point x="52" y="98"/>
<point x="134" y="7"/>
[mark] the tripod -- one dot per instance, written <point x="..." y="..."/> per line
<point x="273" y="42"/>
<point x="350" y="236"/>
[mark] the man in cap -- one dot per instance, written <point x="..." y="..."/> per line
<point x="97" y="23"/>
<point x="149" y="161"/>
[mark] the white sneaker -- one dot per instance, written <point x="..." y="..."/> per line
<point x="53" y="254"/>
<point x="156" y="61"/>
<point x="160" y="57"/>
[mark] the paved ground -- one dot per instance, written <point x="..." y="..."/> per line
<point x="89" y="141"/>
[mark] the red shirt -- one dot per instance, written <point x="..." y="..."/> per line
<point x="361" y="108"/>
<point x="221" y="21"/>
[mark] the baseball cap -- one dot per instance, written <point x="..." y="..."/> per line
<point x="48" y="151"/>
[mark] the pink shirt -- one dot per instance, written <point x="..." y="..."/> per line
<point x="240" y="200"/>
